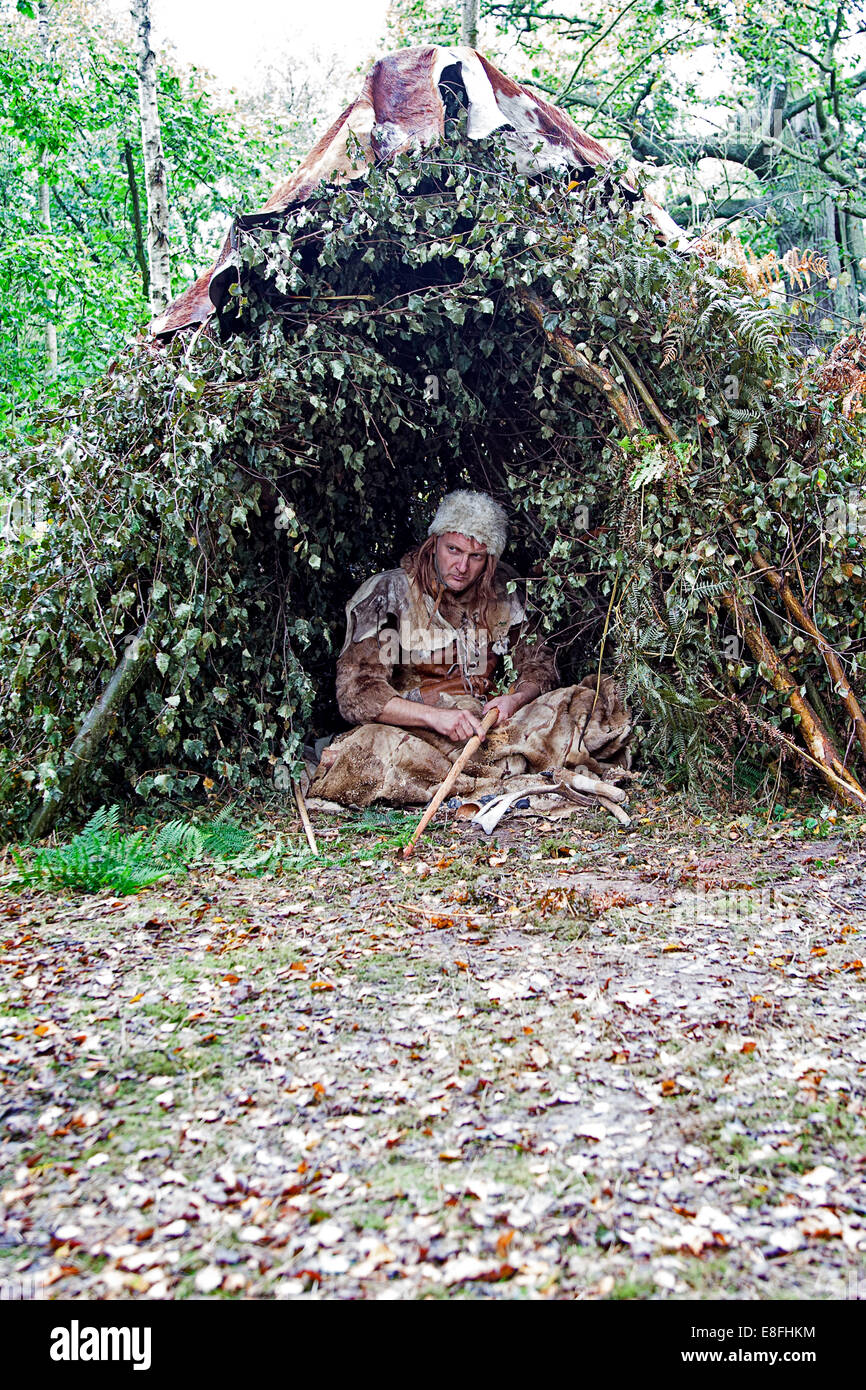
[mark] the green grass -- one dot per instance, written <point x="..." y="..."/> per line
<point x="632" y="1289"/>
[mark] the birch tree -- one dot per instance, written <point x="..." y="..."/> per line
<point x="469" y="33"/>
<point x="156" y="182"/>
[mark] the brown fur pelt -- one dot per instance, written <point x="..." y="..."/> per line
<point x="576" y="726"/>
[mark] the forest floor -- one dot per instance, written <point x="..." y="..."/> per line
<point x="576" y="1063"/>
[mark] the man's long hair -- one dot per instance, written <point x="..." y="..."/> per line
<point x="422" y="570"/>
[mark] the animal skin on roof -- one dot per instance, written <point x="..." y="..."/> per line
<point x="401" y="107"/>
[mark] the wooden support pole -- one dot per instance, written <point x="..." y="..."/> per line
<point x="841" y="683"/>
<point x="815" y="736"/>
<point x="94" y="728"/>
<point x="590" y="372"/>
<point x="305" y="818"/>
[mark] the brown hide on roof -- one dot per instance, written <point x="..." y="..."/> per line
<point x="401" y="106"/>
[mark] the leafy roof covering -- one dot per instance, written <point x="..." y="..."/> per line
<point x="400" y="109"/>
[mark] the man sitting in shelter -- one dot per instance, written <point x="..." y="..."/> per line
<point x="424" y="646"/>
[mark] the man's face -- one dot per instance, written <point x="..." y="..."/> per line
<point x="460" y="560"/>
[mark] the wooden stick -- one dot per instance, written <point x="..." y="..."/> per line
<point x="841" y="684"/>
<point x="590" y="372"/>
<point x="594" y="786"/>
<point x="305" y="818"/>
<point x="471" y="747"/>
<point x="813" y="733"/>
<point x="616" y="811"/>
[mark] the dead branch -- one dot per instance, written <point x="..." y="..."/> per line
<point x="590" y="372"/>
<point x="93" y="729"/>
<point x="837" y="675"/>
<point x="815" y="736"/>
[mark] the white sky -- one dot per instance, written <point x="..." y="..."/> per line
<point x="236" y="39"/>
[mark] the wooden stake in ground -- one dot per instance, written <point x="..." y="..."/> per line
<point x="305" y="818"/>
<point x="471" y="747"/>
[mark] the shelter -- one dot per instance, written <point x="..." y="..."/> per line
<point x="457" y="287"/>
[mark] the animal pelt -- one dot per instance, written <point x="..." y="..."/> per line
<point x="575" y="726"/>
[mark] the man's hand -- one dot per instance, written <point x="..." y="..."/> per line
<point x="456" y="724"/>
<point x="506" y="704"/>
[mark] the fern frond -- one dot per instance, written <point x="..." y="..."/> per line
<point x="178" y="840"/>
<point x="102" y="856"/>
<point x="224" y="839"/>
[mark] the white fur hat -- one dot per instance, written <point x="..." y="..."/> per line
<point x="472" y="514"/>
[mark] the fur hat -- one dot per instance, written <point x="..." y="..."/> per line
<point x="472" y="514"/>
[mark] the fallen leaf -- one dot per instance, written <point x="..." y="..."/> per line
<point x="209" y="1279"/>
<point x="503" y="1242"/>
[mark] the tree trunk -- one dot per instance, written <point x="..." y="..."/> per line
<point x="140" y="253"/>
<point x="155" y="179"/>
<point x="50" y="292"/>
<point x="469" y="33"/>
<point x="45" y="210"/>
<point x="94" y="728"/>
<point x="856" y="238"/>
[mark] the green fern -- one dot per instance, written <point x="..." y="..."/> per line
<point x="103" y="856"/>
<point x="100" y="856"/>
<point x="711" y="588"/>
<point x="223" y="839"/>
<point x="748" y="436"/>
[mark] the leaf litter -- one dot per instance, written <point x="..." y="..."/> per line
<point x="607" y="1066"/>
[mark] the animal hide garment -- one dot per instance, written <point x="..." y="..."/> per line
<point x="573" y="727"/>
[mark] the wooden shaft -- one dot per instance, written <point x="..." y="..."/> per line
<point x="94" y="728"/>
<point x="615" y="810"/>
<point x="841" y="683"/>
<point x="305" y="818"/>
<point x="813" y="733"/>
<point x="590" y="372"/>
<point x="471" y="747"/>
